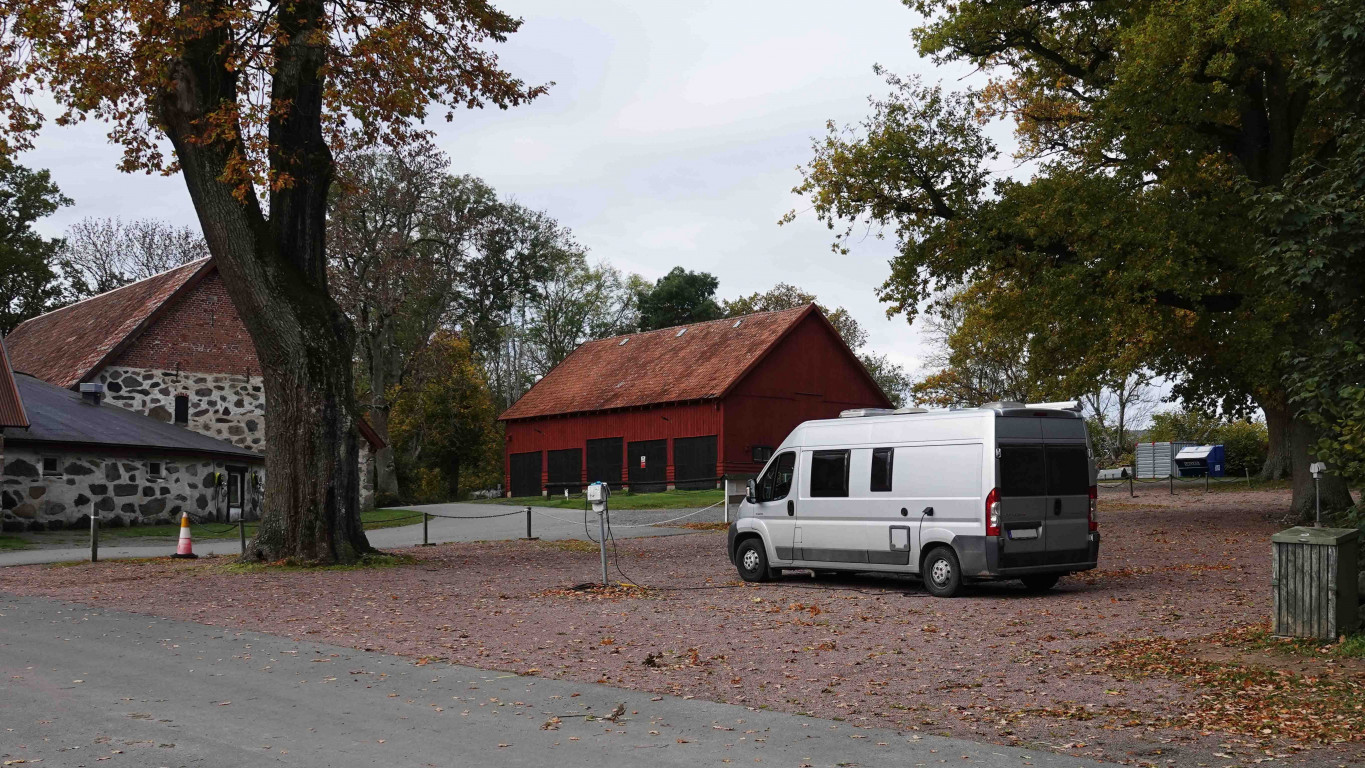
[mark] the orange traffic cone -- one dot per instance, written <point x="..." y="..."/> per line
<point x="186" y="547"/>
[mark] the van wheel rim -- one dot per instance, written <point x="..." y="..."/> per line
<point x="750" y="560"/>
<point x="940" y="572"/>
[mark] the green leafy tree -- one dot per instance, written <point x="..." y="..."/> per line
<point x="1244" y="441"/>
<point x="1315" y="246"/>
<point x="1152" y="126"/>
<point x="678" y="298"/>
<point x="442" y="424"/>
<point x="28" y="280"/>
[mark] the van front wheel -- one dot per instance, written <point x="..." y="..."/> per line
<point x="751" y="560"/>
<point x="942" y="573"/>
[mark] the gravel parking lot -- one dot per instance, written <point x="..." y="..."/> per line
<point x="1060" y="670"/>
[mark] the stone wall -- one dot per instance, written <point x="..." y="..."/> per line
<point x="226" y="406"/>
<point x="119" y="487"/>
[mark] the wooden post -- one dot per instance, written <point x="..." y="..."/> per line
<point x="425" y="541"/>
<point x="1171" y="481"/>
<point x="1206" y="480"/>
<point x="241" y="530"/>
<point x="94" y="535"/>
<point x="1131" y="495"/>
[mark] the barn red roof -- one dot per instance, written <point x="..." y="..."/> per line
<point x="11" y="405"/>
<point x="688" y="362"/>
<point x="65" y="346"/>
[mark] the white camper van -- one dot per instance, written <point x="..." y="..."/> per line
<point x="1004" y="491"/>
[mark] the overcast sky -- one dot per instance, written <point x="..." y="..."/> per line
<point x="671" y="137"/>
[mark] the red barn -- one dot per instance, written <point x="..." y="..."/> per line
<point x="679" y="407"/>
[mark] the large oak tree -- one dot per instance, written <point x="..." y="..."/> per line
<point x="1153" y="125"/>
<point x="254" y="96"/>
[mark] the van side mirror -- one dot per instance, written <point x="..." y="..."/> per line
<point x="751" y="492"/>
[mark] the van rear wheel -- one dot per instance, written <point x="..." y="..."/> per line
<point x="752" y="561"/>
<point x="942" y="573"/>
<point x="1040" y="582"/>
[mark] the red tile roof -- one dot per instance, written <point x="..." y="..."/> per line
<point x="661" y="366"/>
<point x="11" y="405"/>
<point x="67" y="345"/>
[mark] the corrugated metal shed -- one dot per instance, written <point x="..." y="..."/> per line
<point x="66" y="345"/>
<point x="1157" y="459"/>
<point x="11" y="405"/>
<point x="61" y="416"/>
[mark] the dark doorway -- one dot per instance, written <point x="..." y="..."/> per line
<point x="604" y="461"/>
<point x="694" y="462"/>
<point x="236" y="496"/>
<point x="648" y="463"/>
<point x="565" y="470"/>
<point x="526" y="474"/>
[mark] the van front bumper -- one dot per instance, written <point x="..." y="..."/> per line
<point x="985" y="557"/>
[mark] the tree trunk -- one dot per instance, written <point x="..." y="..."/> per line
<point x="1336" y="497"/>
<point x="275" y="270"/>
<point x="1277" y="422"/>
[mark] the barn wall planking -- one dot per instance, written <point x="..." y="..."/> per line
<point x="653" y="423"/>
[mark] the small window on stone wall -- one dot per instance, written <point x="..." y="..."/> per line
<point x="154" y="469"/>
<point x="50" y="466"/>
<point x="182" y="409"/>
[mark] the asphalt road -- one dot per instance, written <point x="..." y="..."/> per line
<point x="476" y="522"/>
<point x="93" y="687"/>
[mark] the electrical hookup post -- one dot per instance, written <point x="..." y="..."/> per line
<point x="597" y="496"/>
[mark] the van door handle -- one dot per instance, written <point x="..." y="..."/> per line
<point x="1057" y="507"/>
<point x="791" y="508"/>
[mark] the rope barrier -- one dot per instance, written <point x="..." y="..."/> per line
<point x="671" y="519"/>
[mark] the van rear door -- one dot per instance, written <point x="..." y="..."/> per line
<point x="1022" y="483"/>
<point x="1068" y="503"/>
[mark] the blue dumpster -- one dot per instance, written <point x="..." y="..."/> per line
<point x="1200" y="460"/>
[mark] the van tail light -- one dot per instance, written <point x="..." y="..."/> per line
<point x="1090" y="512"/>
<point x="993" y="512"/>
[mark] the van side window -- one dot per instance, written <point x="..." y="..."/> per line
<point x="829" y="474"/>
<point x="1022" y="472"/>
<point x="776" y="483"/>
<point x="881" y="468"/>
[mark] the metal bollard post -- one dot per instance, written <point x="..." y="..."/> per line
<point x="1131" y="495"/>
<point x="426" y="542"/>
<point x="1172" y="483"/>
<point x="94" y="536"/>
<point x="1206" y="482"/>
<point x="529" y="537"/>
<point x="725" y="488"/>
<point x="241" y="531"/>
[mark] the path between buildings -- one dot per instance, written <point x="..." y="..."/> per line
<point x="478" y="522"/>
<point x="87" y="686"/>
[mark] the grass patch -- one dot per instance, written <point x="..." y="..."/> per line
<point x="623" y="500"/>
<point x="11" y="543"/>
<point x="1348" y="647"/>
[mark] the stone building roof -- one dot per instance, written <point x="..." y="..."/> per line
<point x="68" y="345"/>
<point x="62" y="417"/>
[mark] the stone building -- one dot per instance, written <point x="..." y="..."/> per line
<point x="171" y="347"/>
<point x="79" y="454"/>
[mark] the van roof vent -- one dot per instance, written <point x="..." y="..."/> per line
<point x="909" y="409"/>
<point x="1003" y="405"/>
<point x="853" y="413"/>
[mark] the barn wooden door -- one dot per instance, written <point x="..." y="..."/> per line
<point x="648" y="463"/>
<point x="525" y="474"/>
